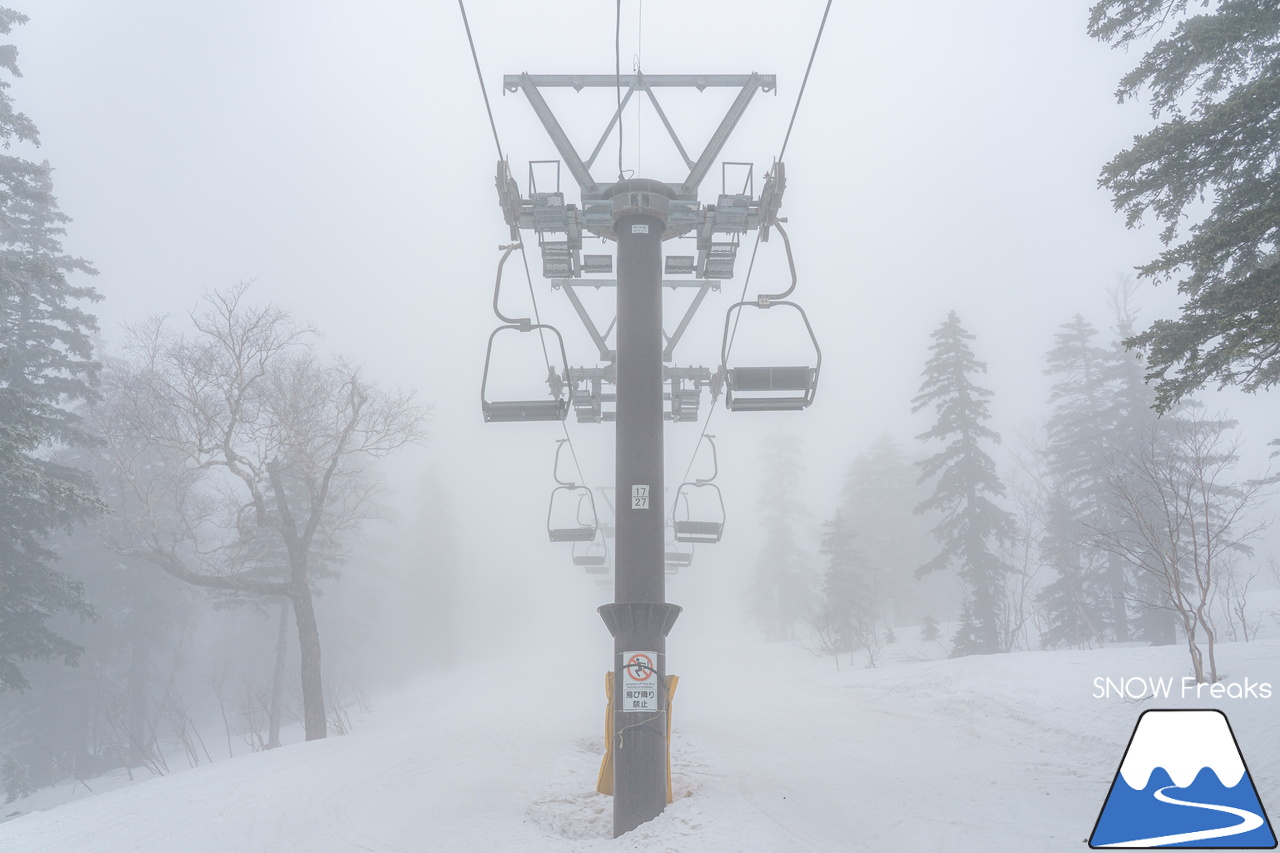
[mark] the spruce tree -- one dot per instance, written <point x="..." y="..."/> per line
<point x="782" y="587"/>
<point x="879" y="497"/>
<point x="46" y="368"/>
<point x="1132" y="416"/>
<point x="1212" y="77"/>
<point x="1085" y="599"/>
<point x="845" y="612"/>
<point x="965" y="484"/>
<point x="1074" y="601"/>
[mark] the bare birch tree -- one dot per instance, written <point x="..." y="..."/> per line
<point x="1181" y="517"/>
<point x="242" y="449"/>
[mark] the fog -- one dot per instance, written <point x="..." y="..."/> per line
<point x="944" y="157"/>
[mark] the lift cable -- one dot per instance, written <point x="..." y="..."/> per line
<point x="636" y="66"/>
<point x="711" y="414"/>
<point x="476" y="59"/>
<point x="617" y="78"/>
<point x="529" y="278"/>
<point x="537" y="318"/>
<point x="756" y="247"/>
<point x="581" y="477"/>
<point x="547" y="358"/>
<point x="523" y="255"/>
<point x="804" y="82"/>
<point x="494" y="127"/>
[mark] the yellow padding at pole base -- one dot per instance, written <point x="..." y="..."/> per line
<point x="604" y="783"/>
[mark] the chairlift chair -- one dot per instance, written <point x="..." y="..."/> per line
<point x="703" y="530"/>
<point x="758" y="388"/>
<point x="770" y="389"/>
<point x="555" y="408"/>
<point x="584" y="527"/>
<point x="675" y="557"/>
<point x="583" y="530"/>
<point x="594" y="558"/>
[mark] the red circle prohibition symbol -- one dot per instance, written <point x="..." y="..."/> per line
<point x="637" y="665"/>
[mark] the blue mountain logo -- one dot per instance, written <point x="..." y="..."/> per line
<point x="1183" y="783"/>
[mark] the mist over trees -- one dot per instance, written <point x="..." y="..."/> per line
<point x="46" y="368"/>
<point x="878" y="499"/>
<point x="244" y="447"/>
<point x="1100" y="407"/>
<point x="1119" y="525"/>
<point x="230" y="458"/>
<point x="178" y="509"/>
<point x="431" y="594"/>
<point x="784" y="578"/>
<point x="842" y="619"/>
<point x="1183" y="519"/>
<point x="965" y="484"/>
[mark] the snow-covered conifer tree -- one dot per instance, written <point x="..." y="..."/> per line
<point x="965" y="481"/>
<point x="46" y="367"/>
<point x="1081" y="603"/>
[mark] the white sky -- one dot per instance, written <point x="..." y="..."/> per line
<point x="945" y="157"/>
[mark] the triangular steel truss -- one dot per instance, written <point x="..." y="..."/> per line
<point x="748" y="85"/>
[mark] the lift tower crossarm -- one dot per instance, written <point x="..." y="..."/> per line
<point x="721" y="136"/>
<point x="669" y="352"/>
<point x="512" y="82"/>
<point x="529" y="85"/>
<point x="749" y="84"/>
<point x="606" y="354"/>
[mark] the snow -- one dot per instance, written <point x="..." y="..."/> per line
<point x="773" y="750"/>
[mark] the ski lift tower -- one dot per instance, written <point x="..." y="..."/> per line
<point x="639" y="214"/>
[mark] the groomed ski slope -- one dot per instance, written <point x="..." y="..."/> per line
<point x="774" y="750"/>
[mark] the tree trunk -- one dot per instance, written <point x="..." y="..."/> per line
<point x="1197" y="659"/>
<point x="1119" y="612"/>
<point x="137" y="722"/>
<point x="277" y="681"/>
<point x="313" y="716"/>
<point x="1210" y="638"/>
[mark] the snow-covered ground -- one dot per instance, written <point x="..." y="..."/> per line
<point x="774" y="750"/>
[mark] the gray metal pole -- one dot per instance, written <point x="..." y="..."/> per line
<point x="640" y="618"/>
<point x="639" y="427"/>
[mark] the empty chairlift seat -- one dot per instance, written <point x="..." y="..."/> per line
<point x="571" y="512"/>
<point x="675" y="560"/>
<point x="675" y="556"/>
<point x="524" y="410"/>
<point x="594" y="558"/>
<point x="701" y="505"/>
<point x="704" y="521"/>
<point x="575" y="526"/>
<point x="534" y="407"/>
<point x="705" y="532"/>
<point x="554" y="407"/>
<point x="769" y="388"/>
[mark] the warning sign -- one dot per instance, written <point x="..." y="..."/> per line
<point x="640" y="682"/>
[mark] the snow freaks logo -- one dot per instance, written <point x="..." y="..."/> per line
<point x="1183" y="783"/>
